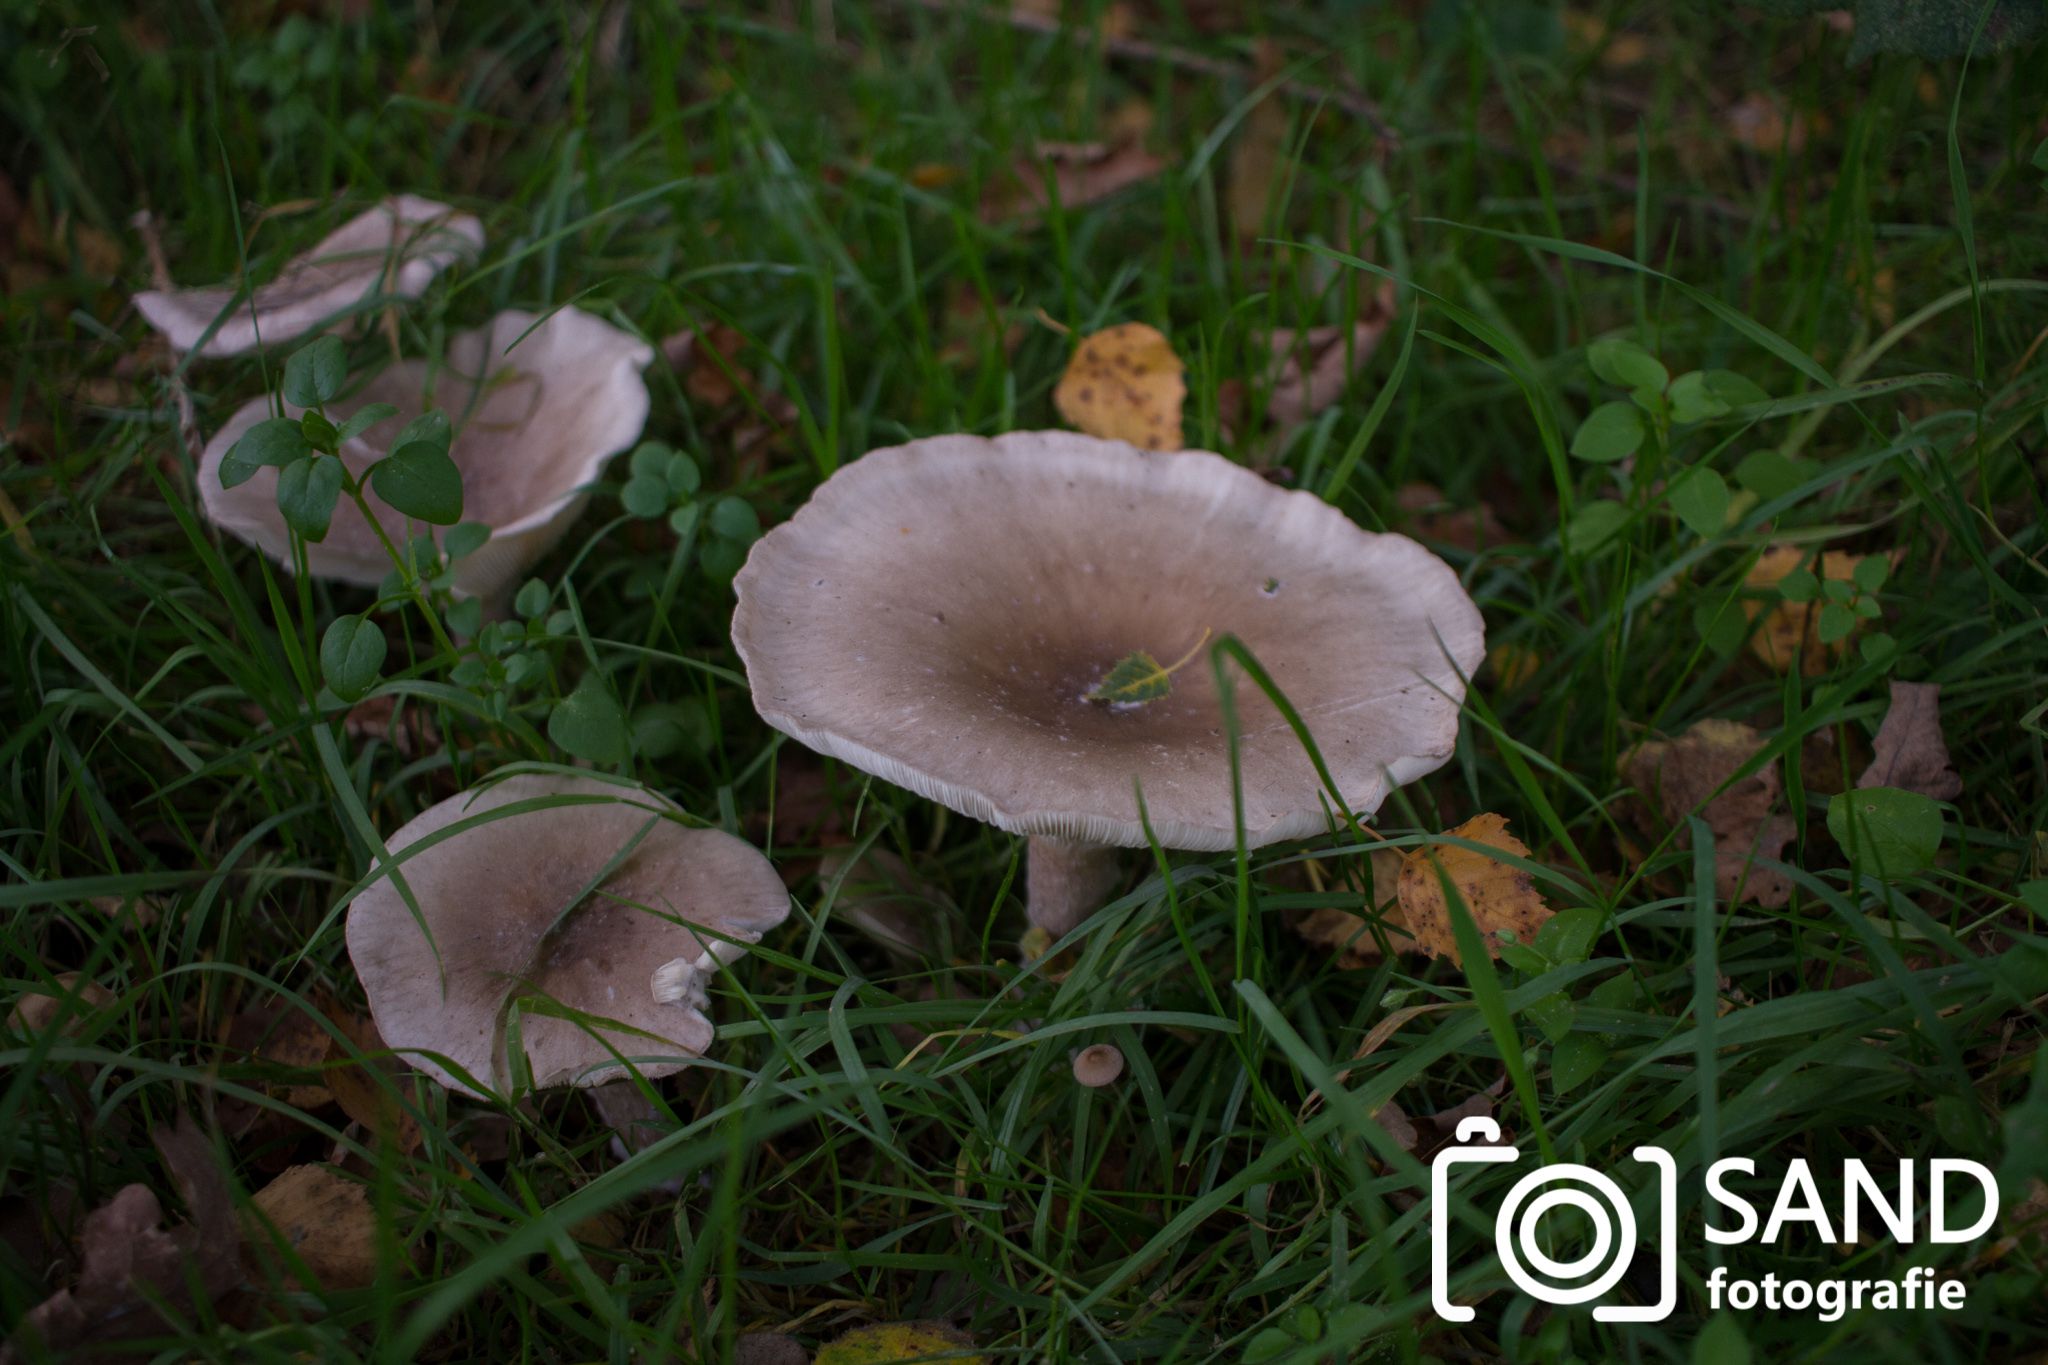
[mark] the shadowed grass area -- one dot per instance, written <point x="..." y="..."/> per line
<point x="878" y="1138"/>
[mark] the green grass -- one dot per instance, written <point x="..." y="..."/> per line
<point x="159" y="743"/>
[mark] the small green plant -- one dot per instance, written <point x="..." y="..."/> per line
<point x="417" y="479"/>
<point x="663" y="482"/>
<point x="1844" y="602"/>
<point x="1649" y="422"/>
<point x="1312" y="1333"/>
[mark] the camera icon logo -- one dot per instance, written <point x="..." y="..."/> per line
<point x="1563" y="1185"/>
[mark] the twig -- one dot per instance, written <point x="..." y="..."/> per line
<point x="144" y="223"/>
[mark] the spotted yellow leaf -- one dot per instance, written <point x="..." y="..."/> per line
<point x="1125" y="384"/>
<point x="1498" y="895"/>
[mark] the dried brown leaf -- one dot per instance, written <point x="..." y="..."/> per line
<point x="325" y="1218"/>
<point x="75" y="999"/>
<point x="1764" y="123"/>
<point x="1313" y="368"/>
<point x="1911" y="753"/>
<point x="1500" y="897"/>
<point x="1080" y="173"/>
<point x="357" y="1086"/>
<point x="1433" y="517"/>
<point x="1258" y="153"/>
<point x="881" y="897"/>
<point x="1678" y="777"/>
<point x="130" y="1263"/>
<point x="1350" y="935"/>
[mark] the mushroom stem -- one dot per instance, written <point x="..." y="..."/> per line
<point x="1066" y="882"/>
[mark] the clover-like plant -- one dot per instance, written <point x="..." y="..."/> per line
<point x="663" y="482"/>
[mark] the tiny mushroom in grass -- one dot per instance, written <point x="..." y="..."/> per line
<point x="946" y="615"/>
<point x="590" y="908"/>
<point x="1098" y="1066"/>
<point x="540" y="404"/>
<point x="393" y="251"/>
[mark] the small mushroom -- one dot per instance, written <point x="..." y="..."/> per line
<point x="1098" y="1065"/>
<point x="939" y="613"/>
<point x="393" y="251"/>
<point x="602" y="904"/>
<point x="539" y="406"/>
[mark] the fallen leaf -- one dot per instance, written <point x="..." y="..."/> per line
<point x="1125" y="384"/>
<point x="1423" y="1136"/>
<point x="75" y="1000"/>
<point x="289" y="1037"/>
<point x="603" y="1231"/>
<point x="1434" y="517"/>
<point x="1500" y="897"/>
<point x="1081" y="173"/>
<point x="1675" y="778"/>
<point x="1910" y="751"/>
<point x="1512" y="665"/>
<point x="1313" y="368"/>
<point x="881" y="897"/>
<point x="1350" y="935"/>
<point x="1618" y="51"/>
<point x="409" y="730"/>
<point x="1397" y="1125"/>
<point x="1789" y="633"/>
<point x="1258" y="152"/>
<point x="130" y="1263"/>
<point x="357" y="1088"/>
<point x="10" y="217"/>
<point x="713" y="375"/>
<point x="893" y="1342"/>
<point x="974" y="328"/>
<point x="1763" y="123"/>
<point x="325" y="1218"/>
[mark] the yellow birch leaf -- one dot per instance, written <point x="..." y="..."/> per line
<point x="893" y="1342"/>
<point x="1499" y="896"/>
<point x="1125" y="384"/>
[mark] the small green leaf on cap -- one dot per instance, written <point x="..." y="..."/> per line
<point x="1139" y="678"/>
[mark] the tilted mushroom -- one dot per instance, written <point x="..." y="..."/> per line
<point x="600" y="902"/>
<point x="393" y="251"/>
<point x="538" y="405"/>
<point x="938" y="612"/>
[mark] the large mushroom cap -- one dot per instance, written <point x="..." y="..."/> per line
<point x="393" y="251"/>
<point x="538" y="406"/>
<point x="493" y="896"/>
<point x="937" y="611"/>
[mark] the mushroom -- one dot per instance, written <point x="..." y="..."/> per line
<point x="539" y="406"/>
<point x="938" y="613"/>
<point x="600" y="902"/>
<point x="1098" y="1065"/>
<point x="393" y="251"/>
